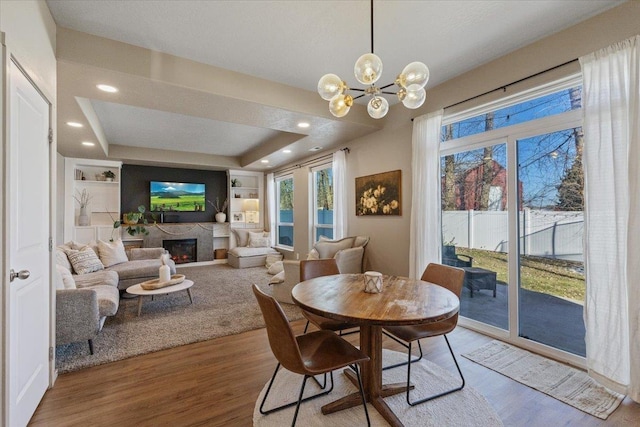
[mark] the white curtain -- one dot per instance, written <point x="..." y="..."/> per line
<point x="340" y="210"/>
<point x="611" y="105"/>
<point x="426" y="235"/>
<point x="271" y="207"/>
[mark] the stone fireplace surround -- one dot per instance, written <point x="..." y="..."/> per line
<point x="203" y="232"/>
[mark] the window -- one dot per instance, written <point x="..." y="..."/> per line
<point x="322" y="209"/>
<point x="284" y="215"/>
<point x="511" y="179"/>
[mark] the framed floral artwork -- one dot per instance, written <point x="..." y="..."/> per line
<point x="379" y="194"/>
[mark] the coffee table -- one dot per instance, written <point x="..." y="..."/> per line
<point x="185" y="285"/>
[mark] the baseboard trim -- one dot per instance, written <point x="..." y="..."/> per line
<point x="201" y="263"/>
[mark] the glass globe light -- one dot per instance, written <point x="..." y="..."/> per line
<point x="368" y="68"/>
<point x="414" y="97"/>
<point x="415" y="73"/>
<point x="340" y="105"/>
<point x="378" y="107"/>
<point x="330" y="85"/>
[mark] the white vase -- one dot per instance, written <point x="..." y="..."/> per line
<point x="83" y="218"/>
<point x="221" y="217"/>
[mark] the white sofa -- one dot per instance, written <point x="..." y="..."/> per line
<point x="249" y="247"/>
<point x="348" y="253"/>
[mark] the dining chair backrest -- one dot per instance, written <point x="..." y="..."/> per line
<point x="451" y="278"/>
<point x="317" y="267"/>
<point x="281" y="338"/>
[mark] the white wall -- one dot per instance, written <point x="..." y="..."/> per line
<point x="28" y="33"/>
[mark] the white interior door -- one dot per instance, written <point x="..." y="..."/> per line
<point x="28" y="215"/>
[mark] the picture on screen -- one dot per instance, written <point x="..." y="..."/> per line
<point x="177" y="197"/>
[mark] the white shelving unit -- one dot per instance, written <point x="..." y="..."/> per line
<point x="246" y="199"/>
<point x="87" y="174"/>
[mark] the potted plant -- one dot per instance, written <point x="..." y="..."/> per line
<point x="235" y="182"/>
<point x="132" y="220"/>
<point x="109" y="175"/>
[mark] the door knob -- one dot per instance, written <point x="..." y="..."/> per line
<point x="22" y="274"/>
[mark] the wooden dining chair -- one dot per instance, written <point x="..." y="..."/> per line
<point x="451" y="278"/>
<point x="310" y="269"/>
<point x="309" y="354"/>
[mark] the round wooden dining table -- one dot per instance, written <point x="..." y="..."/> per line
<point x="403" y="301"/>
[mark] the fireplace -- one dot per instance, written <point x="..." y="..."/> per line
<point x="183" y="250"/>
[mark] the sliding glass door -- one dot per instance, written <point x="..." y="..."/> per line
<point x="551" y="224"/>
<point x="475" y="230"/>
<point x="512" y="218"/>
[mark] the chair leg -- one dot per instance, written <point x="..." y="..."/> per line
<point x="426" y="399"/>
<point x="295" y="415"/>
<point x="364" y="401"/>
<point x="405" y="346"/>
<point x="287" y="405"/>
<point x="322" y="386"/>
<point x="91" y="346"/>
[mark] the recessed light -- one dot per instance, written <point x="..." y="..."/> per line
<point x="107" y="88"/>
<point x="74" y="124"/>
<point x="88" y="144"/>
<point x="264" y="161"/>
<point x="286" y="151"/>
<point x="303" y="125"/>
<point x="317" y="148"/>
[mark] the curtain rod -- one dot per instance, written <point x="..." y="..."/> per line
<point x="310" y="161"/>
<point x="504" y="87"/>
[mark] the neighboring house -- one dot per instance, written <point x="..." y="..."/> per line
<point x="468" y="188"/>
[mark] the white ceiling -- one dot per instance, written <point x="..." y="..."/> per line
<point x="293" y="43"/>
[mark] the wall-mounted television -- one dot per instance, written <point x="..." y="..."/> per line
<point x="177" y="197"/>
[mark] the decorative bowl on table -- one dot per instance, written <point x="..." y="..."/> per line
<point x="150" y="285"/>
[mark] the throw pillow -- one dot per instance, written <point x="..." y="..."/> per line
<point x="276" y="268"/>
<point x="278" y="278"/>
<point x="84" y="261"/>
<point x="65" y="278"/>
<point x="313" y="254"/>
<point x="328" y="248"/>
<point x="271" y="259"/>
<point x="242" y="236"/>
<point x="112" y="253"/>
<point x="61" y="258"/>
<point x="258" y="240"/>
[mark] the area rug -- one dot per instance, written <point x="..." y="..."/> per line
<point x="466" y="407"/>
<point x="223" y="304"/>
<point x="565" y="383"/>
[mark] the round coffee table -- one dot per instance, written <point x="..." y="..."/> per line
<point x="185" y="285"/>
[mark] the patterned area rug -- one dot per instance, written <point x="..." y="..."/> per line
<point x="223" y="304"/>
<point x="565" y="383"/>
<point x="466" y="407"/>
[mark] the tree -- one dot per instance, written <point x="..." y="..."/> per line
<point x="325" y="189"/>
<point x="571" y="187"/>
<point x="449" y="196"/>
<point x="286" y="194"/>
<point x="487" y="167"/>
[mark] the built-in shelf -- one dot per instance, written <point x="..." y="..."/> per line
<point x="103" y="208"/>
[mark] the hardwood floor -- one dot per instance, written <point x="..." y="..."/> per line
<point x="216" y="383"/>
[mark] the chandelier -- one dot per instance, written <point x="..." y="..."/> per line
<point x="368" y="69"/>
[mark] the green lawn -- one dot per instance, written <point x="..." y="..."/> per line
<point x="183" y="203"/>
<point x="546" y="275"/>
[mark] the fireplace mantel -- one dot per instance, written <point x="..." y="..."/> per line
<point x="205" y="232"/>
